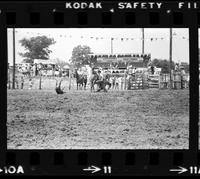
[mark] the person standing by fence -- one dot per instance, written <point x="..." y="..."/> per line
<point x="152" y="70"/>
<point x="22" y="82"/>
<point x="117" y="83"/>
<point x="16" y="81"/>
<point x="123" y="83"/>
<point x="112" y="79"/>
<point x="114" y="82"/>
<point x="34" y="70"/>
<point x="183" y="79"/>
<point x="30" y="83"/>
<point x="127" y="86"/>
<point x="176" y="67"/>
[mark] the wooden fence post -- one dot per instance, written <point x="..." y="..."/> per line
<point x="159" y="81"/>
<point x="40" y="82"/>
<point x="9" y="80"/>
<point x="124" y="79"/>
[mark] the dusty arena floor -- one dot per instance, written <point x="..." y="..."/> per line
<point x="142" y="119"/>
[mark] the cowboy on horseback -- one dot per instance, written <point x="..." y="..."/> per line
<point x="100" y="75"/>
<point x="101" y="80"/>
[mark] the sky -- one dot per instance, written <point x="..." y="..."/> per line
<point x="126" y="40"/>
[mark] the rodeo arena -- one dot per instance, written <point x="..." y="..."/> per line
<point x="118" y="101"/>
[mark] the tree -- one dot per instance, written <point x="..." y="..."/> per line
<point x="80" y="56"/>
<point x="163" y="64"/>
<point x="36" y="48"/>
<point x="61" y="63"/>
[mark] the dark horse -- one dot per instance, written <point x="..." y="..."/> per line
<point x="81" y="80"/>
<point x="101" y="83"/>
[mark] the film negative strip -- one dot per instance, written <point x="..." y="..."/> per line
<point x="99" y="88"/>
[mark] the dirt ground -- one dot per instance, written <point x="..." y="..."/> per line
<point x="140" y="119"/>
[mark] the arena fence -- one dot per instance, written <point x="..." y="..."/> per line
<point x="161" y="81"/>
<point x="135" y="82"/>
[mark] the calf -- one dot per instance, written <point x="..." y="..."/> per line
<point x="58" y="88"/>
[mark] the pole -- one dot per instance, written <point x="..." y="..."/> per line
<point x="142" y="40"/>
<point x="170" y="58"/>
<point x="13" y="85"/>
<point x="40" y="82"/>
<point x="124" y="79"/>
<point x="111" y="46"/>
<point x="8" y="72"/>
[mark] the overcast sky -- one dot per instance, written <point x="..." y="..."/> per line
<point x="99" y="40"/>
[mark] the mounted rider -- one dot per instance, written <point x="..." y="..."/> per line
<point x="101" y="80"/>
<point x="100" y="75"/>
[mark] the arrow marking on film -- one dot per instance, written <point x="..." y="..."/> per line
<point x="112" y="10"/>
<point x="180" y="170"/>
<point x="92" y="168"/>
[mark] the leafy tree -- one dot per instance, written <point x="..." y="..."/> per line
<point x="80" y="56"/>
<point x="146" y="61"/>
<point x="36" y="48"/>
<point x="163" y="64"/>
<point x="61" y="63"/>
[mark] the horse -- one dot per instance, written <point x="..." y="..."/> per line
<point x="81" y="80"/>
<point x="101" y="83"/>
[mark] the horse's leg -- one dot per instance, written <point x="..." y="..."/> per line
<point x="100" y="86"/>
<point x="98" y="90"/>
<point x="85" y="84"/>
<point x="104" y="86"/>
<point x="109" y="85"/>
<point x="92" y="86"/>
